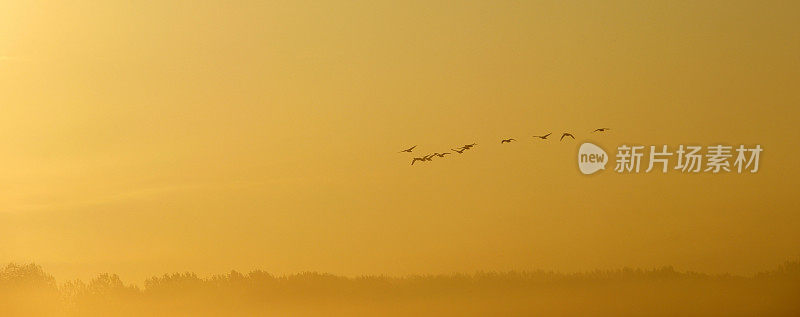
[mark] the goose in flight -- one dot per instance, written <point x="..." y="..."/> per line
<point x="507" y="140"/>
<point x="565" y="134"/>
<point x="417" y="159"/>
<point x="543" y="137"/>
<point x="408" y="149"/>
<point x="601" y="130"/>
<point x="459" y="150"/>
<point x="428" y="157"/>
<point x="469" y="146"/>
<point x="442" y="154"/>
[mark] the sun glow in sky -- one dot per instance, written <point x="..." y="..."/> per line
<point x="148" y="137"/>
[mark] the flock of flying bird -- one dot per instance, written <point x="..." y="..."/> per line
<point x="460" y="150"/>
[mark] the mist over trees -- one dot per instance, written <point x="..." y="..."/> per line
<point x="27" y="290"/>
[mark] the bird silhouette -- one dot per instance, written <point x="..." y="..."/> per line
<point x="601" y="130"/>
<point x="442" y="154"/>
<point x="408" y="149"/>
<point x="428" y="157"/>
<point x="565" y="134"/>
<point x="459" y="150"/>
<point x="507" y="140"/>
<point x="543" y="137"/>
<point x="417" y="159"/>
<point x="469" y="146"/>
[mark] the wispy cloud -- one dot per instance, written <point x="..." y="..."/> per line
<point x="129" y="195"/>
<point x="8" y="58"/>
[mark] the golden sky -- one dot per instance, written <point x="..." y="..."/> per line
<point x="147" y="137"/>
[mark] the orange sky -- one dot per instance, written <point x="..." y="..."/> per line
<point x="144" y="138"/>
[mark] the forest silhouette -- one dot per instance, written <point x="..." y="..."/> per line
<point x="27" y="290"/>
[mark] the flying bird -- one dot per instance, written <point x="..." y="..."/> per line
<point x="565" y="134"/>
<point x="442" y="154"/>
<point x="507" y="140"/>
<point x="601" y="130"/>
<point x="417" y="159"/>
<point x="408" y="149"/>
<point x="543" y="137"/>
<point x="459" y="150"/>
<point x="428" y="157"/>
<point x="469" y="146"/>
